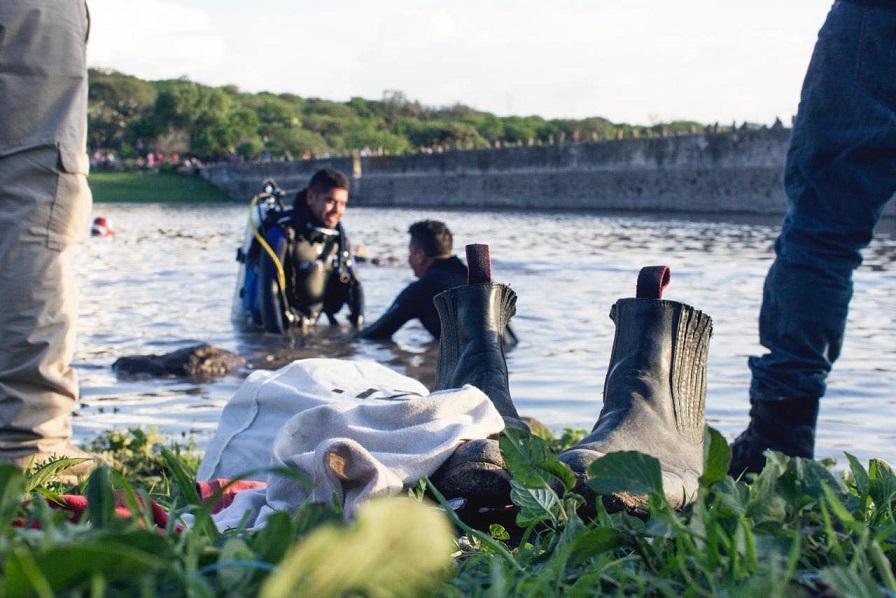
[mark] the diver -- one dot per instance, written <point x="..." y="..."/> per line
<point x="297" y="263"/>
<point x="431" y="257"/>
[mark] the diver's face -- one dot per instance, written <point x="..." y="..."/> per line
<point x="328" y="206"/>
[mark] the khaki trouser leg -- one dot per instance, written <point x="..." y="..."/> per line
<point x="44" y="210"/>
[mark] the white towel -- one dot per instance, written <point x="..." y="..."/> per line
<point x="356" y="429"/>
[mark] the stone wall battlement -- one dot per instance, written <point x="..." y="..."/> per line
<point x="736" y="172"/>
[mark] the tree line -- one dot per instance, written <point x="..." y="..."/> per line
<point x="131" y="117"/>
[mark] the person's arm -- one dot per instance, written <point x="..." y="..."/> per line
<point x="404" y="308"/>
<point x="356" y="302"/>
<point x="339" y="294"/>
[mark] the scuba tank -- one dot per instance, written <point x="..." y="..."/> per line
<point x="264" y="208"/>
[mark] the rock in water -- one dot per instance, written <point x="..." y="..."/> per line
<point x="199" y="361"/>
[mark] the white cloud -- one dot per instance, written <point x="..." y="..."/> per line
<point x="153" y="39"/>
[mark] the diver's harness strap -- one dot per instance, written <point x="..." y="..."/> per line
<point x="334" y="251"/>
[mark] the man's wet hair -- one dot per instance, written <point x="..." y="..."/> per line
<point x="433" y="237"/>
<point x="326" y="179"/>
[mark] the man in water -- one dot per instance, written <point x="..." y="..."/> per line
<point x="431" y="257"/>
<point x="841" y="171"/>
<point x="314" y="253"/>
<point x="44" y="212"/>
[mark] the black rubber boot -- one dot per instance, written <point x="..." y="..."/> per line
<point x="654" y="393"/>
<point x="474" y="319"/>
<point x="783" y="425"/>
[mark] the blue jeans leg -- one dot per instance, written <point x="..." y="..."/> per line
<point x="840" y="172"/>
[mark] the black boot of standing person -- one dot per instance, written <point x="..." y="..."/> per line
<point x="783" y="425"/>
<point x="655" y="391"/>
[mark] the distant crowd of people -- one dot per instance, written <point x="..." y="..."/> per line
<point x="107" y="160"/>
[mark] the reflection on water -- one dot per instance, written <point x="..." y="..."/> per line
<point x="166" y="280"/>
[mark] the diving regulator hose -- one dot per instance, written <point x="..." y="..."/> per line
<point x="281" y="275"/>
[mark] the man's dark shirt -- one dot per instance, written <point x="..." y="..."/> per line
<point x="415" y="301"/>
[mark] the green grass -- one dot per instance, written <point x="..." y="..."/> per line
<point x="796" y="530"/>
<point x="152" y="187"/>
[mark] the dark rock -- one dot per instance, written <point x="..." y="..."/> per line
<point x="199" y="361"/>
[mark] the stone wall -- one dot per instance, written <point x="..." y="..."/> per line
<point x="717" y="173"/>
<point x="242" y="181"/>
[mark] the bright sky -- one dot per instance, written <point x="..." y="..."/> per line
<point x="628" y="60"/>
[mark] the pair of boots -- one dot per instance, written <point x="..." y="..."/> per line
<point x="654" y="394"/>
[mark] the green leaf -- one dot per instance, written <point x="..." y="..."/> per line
<point x="660" y="527"/>
<point x="497" y="531"/>
<point x="146" y="541"/>
<point x="571" y="530"/>
<point x="840" y="581"/>
<point x="49" y="471"/>
<point x="100" y="498"/>
<point x="883" y="483"/>
<point x="536" y="504"/>
<point x="716" y="457"/>
<point x="12" y="486"/>
<point x="397" y="547"/>
<point x="275" y="538"/>
<point x="22" y="577"/>
<point x="486" y="540"/>
<point x="626" y="471"/>
<point x="863" y="482"/>
<point x="67" y="567"/>
<point x="838" y="508"/>
<point x="531" y="462"/>
<point x="733" y="497"/>
<point x="594" y="542"/>
<point x="235" y="551"/>
<point x="808" y="476"/>
<point x="882" y="564"/>
<point x="182" y="480"/>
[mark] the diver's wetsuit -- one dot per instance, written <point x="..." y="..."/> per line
<point x="415" y="301"/>
<point x="319" y="274"/>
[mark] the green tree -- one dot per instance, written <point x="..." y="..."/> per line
<point x="212" y="122"/>
<point x="115" y="101"/>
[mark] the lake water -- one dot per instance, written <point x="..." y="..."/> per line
<point x="166" y="280"/>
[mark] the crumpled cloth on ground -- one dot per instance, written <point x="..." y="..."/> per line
<point x="354" y="429"/>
